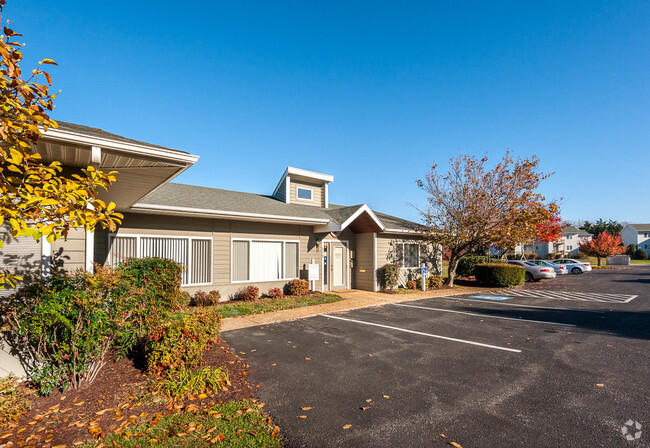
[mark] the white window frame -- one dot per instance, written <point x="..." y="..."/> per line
<point x="401" y="262"/>
<point x="138" y="250"/>
<point x="311" y="194"/>
<point x="250" y="241"/>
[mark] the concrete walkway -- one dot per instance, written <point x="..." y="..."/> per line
<point x="352" y="299"/>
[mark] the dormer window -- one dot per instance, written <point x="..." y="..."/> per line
<point x="304" y="193"/>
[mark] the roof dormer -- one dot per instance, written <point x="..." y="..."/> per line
<point x="298" y="186"/>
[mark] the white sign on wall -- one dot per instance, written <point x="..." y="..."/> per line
<point x="313" y="270"/>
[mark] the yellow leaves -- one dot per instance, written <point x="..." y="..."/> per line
<point x="306" y="408"/>
<point x="600" y="385"/>
<point x="48" y="61"/>
<point x="454" y="444"/>
<point x="348" y="426"/>
<point x="387" y="397"/>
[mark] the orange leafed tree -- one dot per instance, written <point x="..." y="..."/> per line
<point x="36" y="199"/>
<point x="471" y="206"/>
<point x="602" y="245"/>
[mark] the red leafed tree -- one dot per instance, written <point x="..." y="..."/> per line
<point x="602" y="246"/>
<point x="550" y="230"/>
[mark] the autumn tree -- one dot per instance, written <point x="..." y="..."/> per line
<point x="471" y="206"/>
<point x="596" y="228"/>
<point x="602" y="245"/>
<point x="35" y="198"/>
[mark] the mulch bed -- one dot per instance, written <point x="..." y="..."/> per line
<point x="118" y="395"/>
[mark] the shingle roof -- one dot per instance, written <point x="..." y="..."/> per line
<point x="641" y="227"/>
<point x="571" y="230"/>
<point x="96" y="132"/>
<point x="190" y="196"/>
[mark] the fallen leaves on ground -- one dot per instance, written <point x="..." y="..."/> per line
<point x="455" y="444"/>
<point x="348" y="426"/>
<point x="306" y="408"/>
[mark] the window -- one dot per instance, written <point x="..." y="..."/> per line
<point x="264" y="260"/>
<point x="304" y="193"/>
<point x="193" y="254"/>
<point x="569" y="247"/>
<point x="407" y="255"/>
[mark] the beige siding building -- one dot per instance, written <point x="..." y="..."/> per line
<point x="225" y="240"/>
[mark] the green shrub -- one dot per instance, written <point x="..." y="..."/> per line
<point x="434" y="282"/>
<point x="180" y="385"/>
<point x="152" y="292"/>
<point x="389" y="275"/>
<point x="640" y="254"/>
<point x="180" y="341"/>
<point x="66" y="325"/>
<point x="631" y="250"/>
<point x="467" y="263"/>
<point x="413" y="284"/>
<point x="159" y="278"/>
<point x="499" y="274"/>
<point x="201" y="298"/>
<point x="297" y="287"/>
<point x="14" y="398"/>
<point x="275" y="293"/>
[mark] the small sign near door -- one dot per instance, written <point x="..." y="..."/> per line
<point x="312" y="272"/>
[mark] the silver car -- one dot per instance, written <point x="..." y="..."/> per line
<point x="560" y="269"/>
<point x="574" y="266"/>
<point x="534" y="272"/>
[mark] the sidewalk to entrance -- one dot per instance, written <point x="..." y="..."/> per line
<point x="352" y="299"/>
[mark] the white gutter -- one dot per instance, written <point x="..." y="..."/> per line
<point x="131" y="148"/>
<point x="223" y="214"/>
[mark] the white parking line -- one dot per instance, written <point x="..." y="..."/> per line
<point x="446" y="338"/>
<point x="521" y="305"/>
<point x="569" y="295"/>
<point x="482" y="315"/>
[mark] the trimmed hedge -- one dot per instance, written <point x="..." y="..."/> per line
<point x="467" y="264"/>
<point x="389" y="275"/>
<point x="499" y="274"/>
<point x="179" y="343"/>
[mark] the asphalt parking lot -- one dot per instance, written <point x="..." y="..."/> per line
<point x="563" y="363"/>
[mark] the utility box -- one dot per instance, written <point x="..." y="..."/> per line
<point x="618" y="260"/>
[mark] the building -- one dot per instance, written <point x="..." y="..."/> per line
<point x="566" y="245"/>
<point x="225" y="240"/>
<point x="637" y="234"/>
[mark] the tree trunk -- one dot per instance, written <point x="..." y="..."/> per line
<point x="451" y="270"/>
<point x="598" y="261"/>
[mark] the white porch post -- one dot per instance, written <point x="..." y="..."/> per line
<point x="46" y="258"/>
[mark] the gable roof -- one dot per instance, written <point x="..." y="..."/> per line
<point x="640" y="227"/>
<point x="178" y="198"/>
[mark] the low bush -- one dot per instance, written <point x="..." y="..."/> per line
<point x="297" y="287"/>
<point x="499" y="274"/>
<point x="249" y="293"/>
<point x="413" y="284"/>
<point x="184" y="383"/>
<point x="631" y="250"/>
<point x="467" y="263"/>
<point x="14" y="398"/>
<point x="640" y="254"/>
<point x="201" y="298"/>
<point x="179" y="342"/>
<point x="275" y="293"/>
<point x="65" y="325"/>
<point x="389" y="275"/>
<point x="434" y="282"/>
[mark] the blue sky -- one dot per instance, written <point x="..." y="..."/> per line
<point x="371" y="92"/>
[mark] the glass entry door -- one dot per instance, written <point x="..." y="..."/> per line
<point x="334" y="266"/>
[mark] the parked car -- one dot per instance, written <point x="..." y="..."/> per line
<point x="534" y="272"/>
<point x="574" y="266"/>
<point x="560" y="269"/>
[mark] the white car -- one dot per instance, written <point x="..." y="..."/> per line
<point x="534" y="272"/>
<point x="574" y="266"/>
<point x="560" y="269"/>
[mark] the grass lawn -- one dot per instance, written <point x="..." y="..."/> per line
<point x="267" y="305"/>
<point x="235" y="424"/>
<point x="640" y="261"/>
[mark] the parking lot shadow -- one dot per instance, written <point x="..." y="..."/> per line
<point x="629" y="324"/>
